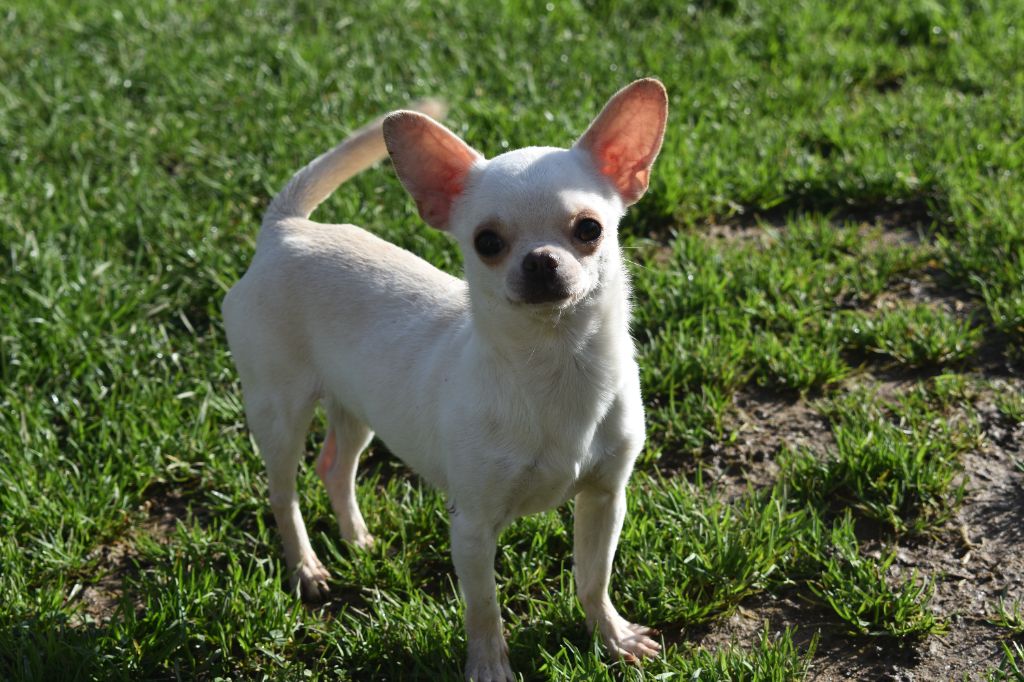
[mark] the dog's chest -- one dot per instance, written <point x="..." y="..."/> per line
<point x="544" y="483"/>
<point x="558" y="419"/>
<point x="555" y="468"/>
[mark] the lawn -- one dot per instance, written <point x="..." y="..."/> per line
<point x="829" y="310"/>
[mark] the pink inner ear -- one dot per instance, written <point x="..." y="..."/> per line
<point x="627" y="172"/>
<point x="626" y="136"/>
<point x="435" y="202"/>
<point x="431" y="161"/>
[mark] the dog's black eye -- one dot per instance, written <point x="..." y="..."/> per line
<point x="588" y="230"/>
<point x="488" y="244"/>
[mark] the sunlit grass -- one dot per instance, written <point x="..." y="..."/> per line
<point x="842" y="151"/>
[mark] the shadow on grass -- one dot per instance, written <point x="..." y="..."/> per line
<point x="923" y="211"/>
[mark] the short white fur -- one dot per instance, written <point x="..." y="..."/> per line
<point x="512" y="391"/>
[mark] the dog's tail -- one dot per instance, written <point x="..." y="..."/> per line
<point x="314" y="183"/>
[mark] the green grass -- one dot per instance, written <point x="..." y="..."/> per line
<point x="1012" y="667"/>
<point x="897" y="464"/>
<point x="1010" y="404"/>
<point x="718" y="553"/>
<point x="860" y="591"/>
<point x="913" y="336"/>
<point x="845" y="151"/>
<point x="770" y="658"/>
<point x="1010" y="617"/>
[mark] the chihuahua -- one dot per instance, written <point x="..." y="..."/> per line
<point x="512" y="391"/>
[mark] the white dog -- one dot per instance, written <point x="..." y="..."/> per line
<point x="512" y="391"/>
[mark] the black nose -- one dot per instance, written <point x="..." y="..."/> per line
<point x="543" y="281"/>
<point x="538" y="262"/>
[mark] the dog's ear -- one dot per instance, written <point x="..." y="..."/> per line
<point x="626" y="136"/>
<point x="431" y="161"/>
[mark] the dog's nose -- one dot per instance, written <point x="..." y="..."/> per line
<point x="543" y="281"/>
<point x="539" y="262"/>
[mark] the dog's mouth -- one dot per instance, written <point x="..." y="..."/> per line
<point x="556" y="298"/>
<point x="547" y="304"/>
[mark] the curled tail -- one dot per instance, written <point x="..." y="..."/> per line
<point x="314" y="183"/>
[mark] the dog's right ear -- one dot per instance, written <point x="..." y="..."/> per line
<point x="431" y="161"/>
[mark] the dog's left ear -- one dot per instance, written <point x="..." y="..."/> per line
<point x="431" y="161"/>
<point x="626" y="136"/>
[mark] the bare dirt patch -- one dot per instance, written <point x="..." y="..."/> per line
<point x="118" y="560"/>
<point x="764" y="423"/>
<point x="900" y="223"/>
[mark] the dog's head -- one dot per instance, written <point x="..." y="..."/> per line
<point x="537" y="226"/>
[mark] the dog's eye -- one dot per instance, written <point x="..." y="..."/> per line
<point x="488" y="244"/>
<point x="588" y="230"/>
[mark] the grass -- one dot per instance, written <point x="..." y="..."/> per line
<point x="860" y="591"/>
<point x="914" y="336"/>
<point x="718" y="554"/>
<point x="900" y="469"/>
<point x="1010" y="616"/>
<point x="771" y="658"/>
<point x="1012" y="667"/>
<point x="860" y="166"/>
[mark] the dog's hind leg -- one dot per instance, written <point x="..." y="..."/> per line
<point x="279" y="426"/>
<point x="336" y="466"/>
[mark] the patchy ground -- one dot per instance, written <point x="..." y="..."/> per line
<point x="974" y="561"/>
<point x="103" y="591"/>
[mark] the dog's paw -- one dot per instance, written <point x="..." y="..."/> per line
<point x="353" y="530"/>
<point x="488" y="661"/>
<point x="629" y="641"/>
<point x="363" y="540"/>
<point x="310" y="579"/>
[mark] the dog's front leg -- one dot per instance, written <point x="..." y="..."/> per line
<point x="599" y="516"/>
<point x="473" y="547"/>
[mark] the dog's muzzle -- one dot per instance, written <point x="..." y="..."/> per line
<point x="543" y="280"/>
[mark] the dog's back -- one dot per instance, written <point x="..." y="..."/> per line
<point x="319" y="299"/>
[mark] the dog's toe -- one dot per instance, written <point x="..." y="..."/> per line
<point x="364" y="541"/>
<point x="310" y="578"/>
<point x="488" y="661"/>
<point x="317" y="591"/>
<point x="642" y="630"/>
<point x="491" y="673"/>
<point x="630" y="641"/>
